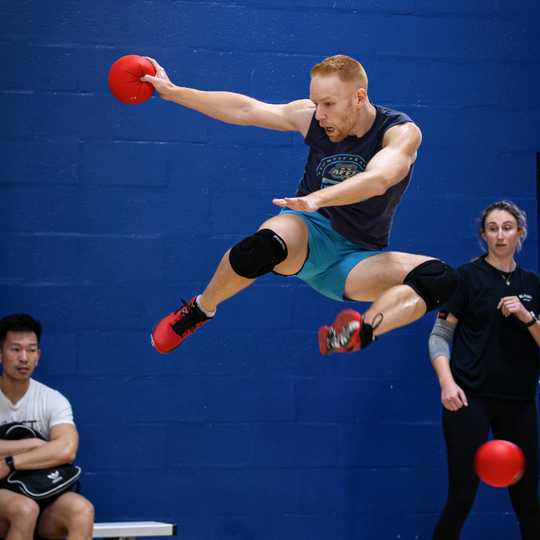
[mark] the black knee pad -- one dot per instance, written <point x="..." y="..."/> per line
<point x="434" y="281"/>
<point x="258" y="254"/>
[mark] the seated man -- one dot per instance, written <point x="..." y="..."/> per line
<point x="24" y="400"/>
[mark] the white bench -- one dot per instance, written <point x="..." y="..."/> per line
<point x="126" y="530"/>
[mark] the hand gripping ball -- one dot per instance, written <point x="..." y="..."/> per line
<point x="499" y="463"/>
<point x="124" y="79"/>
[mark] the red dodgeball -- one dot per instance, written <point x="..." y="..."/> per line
<point x="124" y="79"/>
<point x="499" y="463"/>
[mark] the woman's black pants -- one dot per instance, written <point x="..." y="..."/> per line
<point x="465" y="431"/>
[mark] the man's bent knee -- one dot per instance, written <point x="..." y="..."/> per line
<point x="81" y="515"/>
<point x="258" y="254"/>
<point x="23" y="509"/>
<point x="434" y="281"/>
<point x="19" y="514"/>
<point x="70" y="515"/>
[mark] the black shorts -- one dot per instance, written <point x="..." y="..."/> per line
<point x="44" y="503"/>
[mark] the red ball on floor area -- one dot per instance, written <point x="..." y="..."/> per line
<point x="499" y="463"/>
<point x="125" y="79"/>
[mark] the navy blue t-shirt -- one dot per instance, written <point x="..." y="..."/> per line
<point x="367" y="223"/>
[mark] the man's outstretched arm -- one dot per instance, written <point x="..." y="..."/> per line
<point x="234" y="108"/>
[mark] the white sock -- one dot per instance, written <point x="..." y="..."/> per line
<point x="209" y="314"/>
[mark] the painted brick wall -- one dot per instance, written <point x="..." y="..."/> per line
<point x="111" y="213"/>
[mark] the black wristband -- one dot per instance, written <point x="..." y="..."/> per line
<point x="10" y="463"/>
<point x="534" y="320"/>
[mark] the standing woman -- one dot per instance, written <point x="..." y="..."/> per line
<point x="489" y="381"/>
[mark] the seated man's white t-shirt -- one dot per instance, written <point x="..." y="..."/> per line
<point x="40" y="408"/>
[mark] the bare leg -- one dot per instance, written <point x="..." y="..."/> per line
<point x="400" y="305"/>
<point x="71" y="516"/>
<point x="18" y="516"/>
<point x="226" y="282"/>
<point x="380" y="279"/>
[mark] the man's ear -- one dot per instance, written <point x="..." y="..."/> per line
<point x="361" y="95"/>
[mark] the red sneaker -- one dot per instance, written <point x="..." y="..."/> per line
<point x="343" y="335"/>
<point x="172" y="330"/>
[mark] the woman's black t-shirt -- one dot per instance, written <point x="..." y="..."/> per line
<point x="493" y="355"/>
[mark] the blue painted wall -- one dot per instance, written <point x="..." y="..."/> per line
<point x="111" y="213"/>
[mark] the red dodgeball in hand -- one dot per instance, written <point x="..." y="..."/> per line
<point x="499" y="463"/>
<point x="125" y="79"/>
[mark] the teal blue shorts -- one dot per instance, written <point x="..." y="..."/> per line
<point x="330" y="258"/>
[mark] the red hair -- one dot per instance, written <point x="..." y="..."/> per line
<point x="346" y="68"/>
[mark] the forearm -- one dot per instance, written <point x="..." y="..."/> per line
<point x="525" y="316"/>
<point x="441" y="365"/>
<point x="50" y="454"/>
<point x="12" y="448"/>
<point x="228" y="107"/>
<point x="357" y="188"/>
<point x="535" y="332"/>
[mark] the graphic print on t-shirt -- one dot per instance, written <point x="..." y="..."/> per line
<point x="524" y="297"/>
<point x="30" y="423"/>
<point x="338" y="167"/>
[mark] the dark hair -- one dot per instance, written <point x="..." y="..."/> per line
<point x="513" y="209"/>
<point x="19" y="322"/>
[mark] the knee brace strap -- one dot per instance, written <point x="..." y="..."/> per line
<point x="258" y="254"/>
<point x="434" y="281"/>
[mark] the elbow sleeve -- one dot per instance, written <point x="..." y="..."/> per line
<point x="440" y="339"/>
